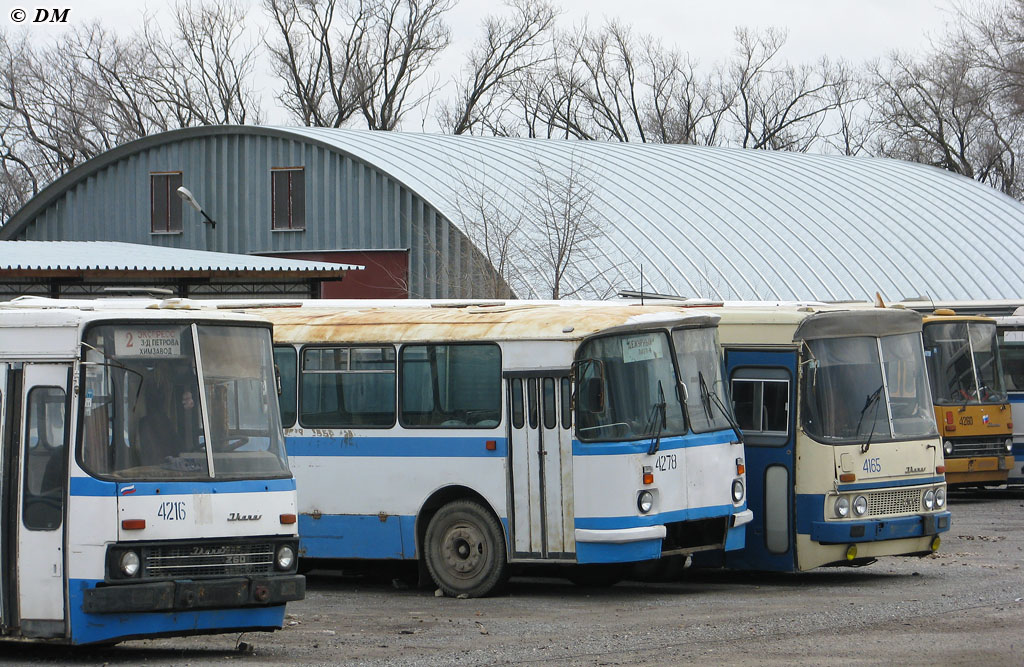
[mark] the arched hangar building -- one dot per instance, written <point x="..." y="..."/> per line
<point x="424" y="213"/>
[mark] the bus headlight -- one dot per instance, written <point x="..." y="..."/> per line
<point x="947" y="448"/>
<point x="1009" y="445"/>
<point x="860" y="505"/>
<point x="940" y="497"/>
<point x="285" y="557"/>
<point x="842" y="507"/>
<point x="645" y="501"/>
<point x="737" y="490"/>
<point x="129" y="563"/>
<point x="929" y="499"/>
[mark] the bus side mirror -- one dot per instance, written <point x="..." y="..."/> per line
<point x="593" y="395"/>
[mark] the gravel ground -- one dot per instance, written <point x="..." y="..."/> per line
<point x="964" y="605"/>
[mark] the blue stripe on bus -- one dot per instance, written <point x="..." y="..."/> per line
<point x="878" y="530"/>
<point x="810" y="521"/>
<point x="408" y="445"/>
<point x="641" y="446"/>
<point x="357" y="536"/>
<point x="87" y="486"/>
<point x="614" y="522"/>
<point x="1016" y="397"/>
<point x="843" y="488"/>
<point x="87" y="628"/>
<point x="629" y="552"/>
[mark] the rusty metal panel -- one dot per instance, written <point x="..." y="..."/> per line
<point x="516" y="321"/>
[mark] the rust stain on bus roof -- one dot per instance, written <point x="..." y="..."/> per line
<point x="506" y="322"/>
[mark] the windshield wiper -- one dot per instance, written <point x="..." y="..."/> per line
<point x="705" y="396"/>
<point x="872" y="399"/>
<point x="709" y="399"/>
<point x="115" y="363"/>
<point x="654" y="423"/>
<point x="728" y="416"/>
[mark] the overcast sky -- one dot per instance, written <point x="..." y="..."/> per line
<point x="856" y="30"/>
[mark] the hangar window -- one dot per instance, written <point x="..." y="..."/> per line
<point x="288" y="199"/>
<point x="164" y="203"/>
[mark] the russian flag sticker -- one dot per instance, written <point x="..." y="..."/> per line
<point x="984" y="418"/>
<point x="128" y="490"/>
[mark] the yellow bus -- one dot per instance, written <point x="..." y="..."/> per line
<point x="971" y="406"/>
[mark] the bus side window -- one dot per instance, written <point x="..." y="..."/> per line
<point x="348" y="387"/>
<point x="285" y="362"/>
<point x="566" y="403"/>
<point x="550" y="415"/>
<point x="761" y="401"/>
<point x="518" y="416"/>
<point x="45" y="460"/>
<point x="531" y="399"/>
<point x="450" y="386"/>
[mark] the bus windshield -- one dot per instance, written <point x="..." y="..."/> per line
<point x="1011" y="354"/>
<point x="146" y="416"/>
<point x="865" y="389"/>
<point x="963" y="363"/>
<point x="626" y="387"/>
<point x="700" y="366"/>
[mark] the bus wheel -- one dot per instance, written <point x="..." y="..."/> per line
<point x="465" y="550"/>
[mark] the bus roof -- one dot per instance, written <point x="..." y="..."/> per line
<point x="39" y="328"/>
<point x="508" y="321"/>
<point x="786" y="324"/>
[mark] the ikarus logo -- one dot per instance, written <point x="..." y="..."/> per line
<point x="238" y="516"/>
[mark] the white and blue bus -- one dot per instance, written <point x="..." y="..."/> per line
<point x="844" y="461"/>
<point x="145" y="486"/>
<point x="471" y="437"/>
<point x="1011" y="347"/>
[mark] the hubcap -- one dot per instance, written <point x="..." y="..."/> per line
<point x="463" y="550"/>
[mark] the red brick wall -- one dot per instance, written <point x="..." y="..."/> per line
<point x="386" y="275"/>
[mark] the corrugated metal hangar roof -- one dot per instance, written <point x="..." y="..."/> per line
<point x="739" y="224"/>
<point x="116" y="256"/>
<point x="707" y="222"/>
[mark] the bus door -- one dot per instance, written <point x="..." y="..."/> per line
<point x="42" y="444"/>
<point x="763" y="386"/>
<point x="540" y="465"/>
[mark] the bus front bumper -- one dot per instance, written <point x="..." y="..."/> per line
<point x="874" y="530"/>
<point x="194" y="594"/>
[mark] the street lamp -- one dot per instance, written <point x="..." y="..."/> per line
<point x="190" y="199"/>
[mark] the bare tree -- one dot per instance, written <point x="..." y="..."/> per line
<point x="316" y="57"/>
<point x="939" y="111"/>
<point x="495" y="226"/>
<point x="339" y="58"/>
<point x="990" y="35"/>
<point x="203" y="71"/>
<point x="683" y="108"/>
<point x="65" y="102"/>
<point x="509" y="48"/>
<point x="609" y="84"/>
<point x="777" y="105"/>
<point x="403" y="40"/>
<point x="566" y="231"/>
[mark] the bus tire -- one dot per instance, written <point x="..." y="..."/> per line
<point x="464" y="548"/>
